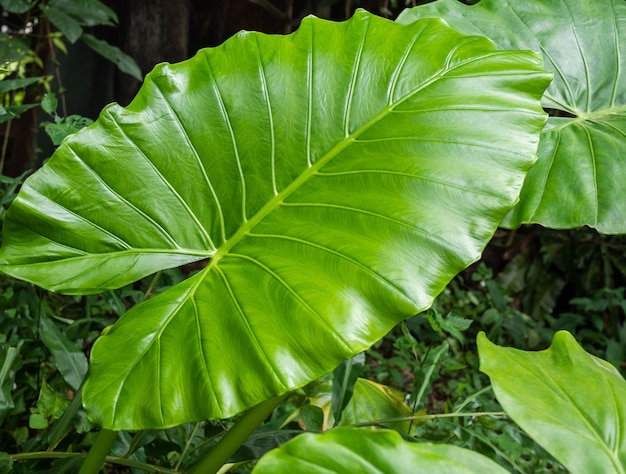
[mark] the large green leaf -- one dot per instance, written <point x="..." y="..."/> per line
<point x="348" y="450"/>
<point x="579" y="178"/>
<point x="569" y="401"/>
<point x="337" y="178"/>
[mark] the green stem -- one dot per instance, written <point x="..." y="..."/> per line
<point x="429" y="418"/>
<point x="236" y="436"/>
<point x="98" y="452"/>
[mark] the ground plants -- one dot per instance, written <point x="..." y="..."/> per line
<point x="330" y="183"/>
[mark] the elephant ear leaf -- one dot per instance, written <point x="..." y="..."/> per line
<point x="371" y="452"/>
<point x="579" y="177"/>
<point x="569" y="401"/>
<point x="336" y="179"/>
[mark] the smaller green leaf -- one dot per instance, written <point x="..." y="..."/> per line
<point x="36" y="421"/>
<point x="11" y="361"/>
<point x="49" y="103"/>
<point x="312" y="417"/>
<point x="344" y="378"/>
<point x="16" y="6"/>
<point x="87" y="12"/>
<point x="51" y="405"/>
<point x="63" y="127"/>
<point x="12" y="48"/>
<point x="6" y="463"/>
<point x="65" y="23"/>
<point x="428" y="369"/>
<point x="70" y="360"/>
<point x="123" y="62"/>
<point x="70" y="420"/>
<point x="260" y="442"/>
<point x="374" y="402"/>
<point x="14" y="111"/>
<point x="8" y="85"/>
<point x="350" y="450"/>
<point x="569" y="401"/>
<point x="371" y="402"/>
<point x="451" y="323"/>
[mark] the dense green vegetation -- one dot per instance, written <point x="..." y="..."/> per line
<point x="180" y="384"/>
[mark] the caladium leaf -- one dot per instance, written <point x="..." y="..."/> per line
<point x="346" y="450"/>
<point x="569" y="401"/>
<point x="337" y="178"/>
<point x="579" y="177"/>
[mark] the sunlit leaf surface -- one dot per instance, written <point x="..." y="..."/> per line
<point x="347" y="450"/>
<point x="579" y="178"/>
<point x="569" y="401"/>
<point x="336" y="178"/>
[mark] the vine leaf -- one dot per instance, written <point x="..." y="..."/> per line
<point x="337" y="179"/>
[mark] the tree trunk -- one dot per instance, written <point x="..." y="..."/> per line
<point x="153" y="31"/>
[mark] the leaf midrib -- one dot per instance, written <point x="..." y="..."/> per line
<point x="273" y="203"/>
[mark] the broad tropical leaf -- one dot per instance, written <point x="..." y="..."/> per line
<point x="336" y="178"/>
<point x="348" y="450"/>
<point x="570" y="402"/>
<point x="579" y="178"/>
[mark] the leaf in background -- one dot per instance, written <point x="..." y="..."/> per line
<point x="6" y="463"/>
<point x="14" y="111"/>
<point x="579" y="178"/>
<point x="87" y="12"/>
<point x="12" y="49"/>
<point x="66" y="24"/>
<point x="69" y="421"/>
<point x="66" y="126"/>
<point x="260" y="442"/>
<point x="123" y="62"/>
<point x="49" y="103"/>
<point x="11" y="362"/>
<point x="69" y="359"/>
<point x="370" y="402"/>
<point x="312" y="417"/>
<point x="344" y="378"/>
<point x="337" y="179"/>
<point x="346" y="450"/>
<point x="51" y="405"/>
<point x="570" y="402"/>
<point x="16" y="6"/>
<point x="375" y="402"/>
<point x="424" y="374"/>
<point x="7" y="85"/>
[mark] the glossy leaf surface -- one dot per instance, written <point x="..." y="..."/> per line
<point x="579" y="178"/>
<point x="337" y="178"/>
<point x="348" y="450"/>
<point x="570" y="402"/>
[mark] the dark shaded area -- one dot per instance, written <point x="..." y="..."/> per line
<point x="559" y="113"/>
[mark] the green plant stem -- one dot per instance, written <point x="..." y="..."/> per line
<point x="110" y="459"/>
<point x="5" y="145"/>
<point x="153" y="283"/>
<point x="189" y="440"/>
<point x="98" y="452"/>
<point x="428" y="418"/>
<point x="236" y="436"/>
